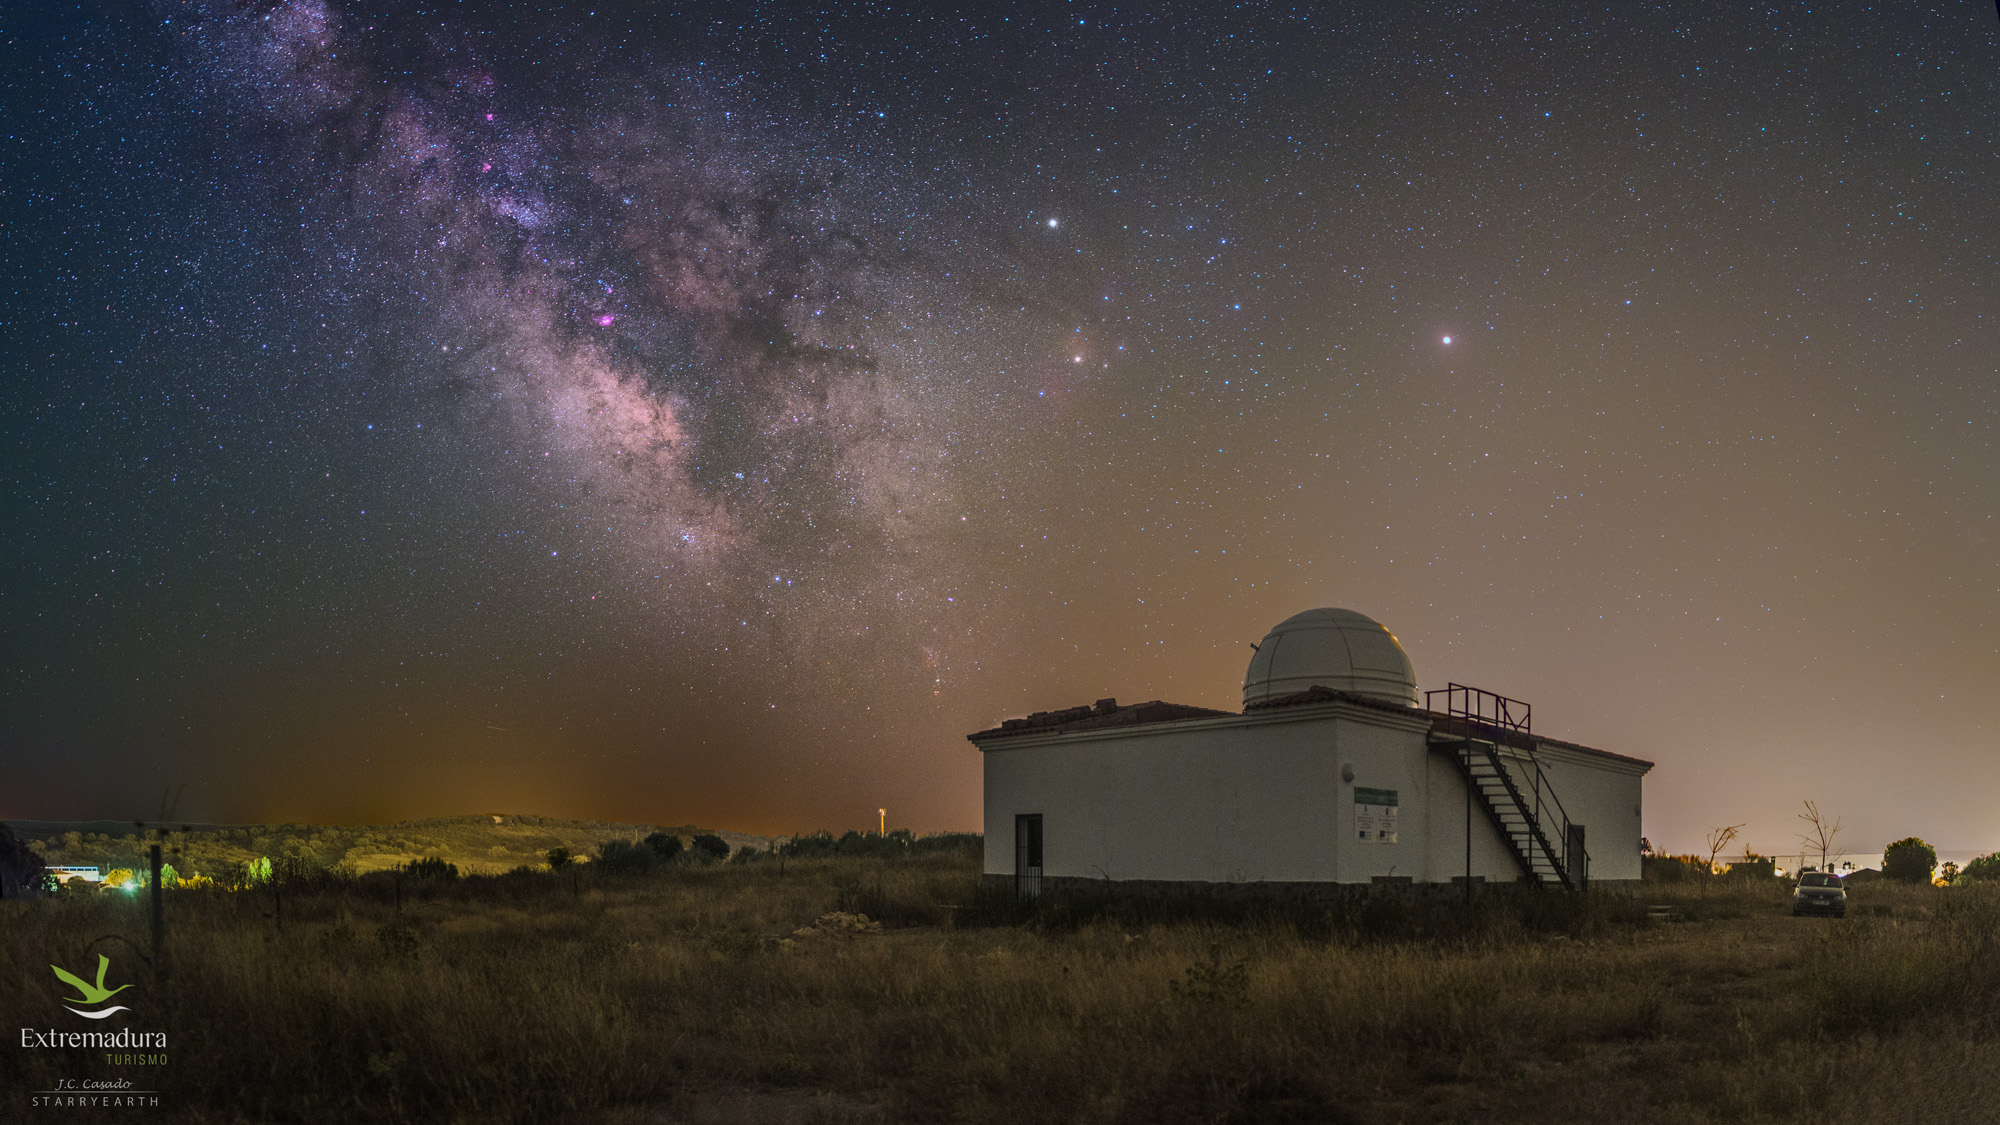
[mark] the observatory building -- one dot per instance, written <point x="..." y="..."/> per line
<point x="1335" y="772"/>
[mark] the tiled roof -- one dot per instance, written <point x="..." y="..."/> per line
<point x="1104" y="713"/>
<point x="1318" y="694"/>
<point x="1107" y="713"/>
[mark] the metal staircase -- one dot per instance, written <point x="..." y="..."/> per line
<point x="1489" y="738"/>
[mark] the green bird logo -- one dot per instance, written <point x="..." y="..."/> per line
<point x="92" y="993"/>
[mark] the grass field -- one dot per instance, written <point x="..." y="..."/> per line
<point x="751" y="993"/>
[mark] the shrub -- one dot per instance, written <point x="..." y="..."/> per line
<point x="1671" y="868"/>
<point x="966" y="843"/>
<point x="397" y="940"/>
<point x="665" y="845"/>
<point x="895" y="845"/>
<point x="817" y="845"/>
<point x="558" y="858"/>
<point x="622" y="857"/>
<point x="709" y="848"/>
<point x="1753" y="867"/>
<point x="432" y="867"/>
<point x="1909" y="860"/>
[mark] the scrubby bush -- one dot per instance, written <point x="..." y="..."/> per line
<point x="1672" y="868"/>
<point x="665" y="845"/>
<point x="815" y="845"/>
<point x="1753" y="867"/>
<point x="895" y="844"/>
<point x="558" y="858"/>
<point x="1909" y="860"/>
<point x="622" y="857"/>
<point x="709" y="848"/>
<point x="431" y="867"/>
<point x="940" y="843"/>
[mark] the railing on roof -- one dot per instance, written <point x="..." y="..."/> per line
<point x="1479" y="706"/>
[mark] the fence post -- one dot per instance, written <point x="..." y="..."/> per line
<point x="159" y="917"/>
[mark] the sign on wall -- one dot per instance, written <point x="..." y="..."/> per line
<point x="1375" y="815"/>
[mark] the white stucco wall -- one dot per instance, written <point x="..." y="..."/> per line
<point x="1491" y="858"/>
<point x="1603" y="795"/>
<point x="1259" y="798"/>
<point x="1250" y="798"/>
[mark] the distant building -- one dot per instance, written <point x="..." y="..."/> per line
<point x="85" y="874"/>
<point x="1332" y="774"/>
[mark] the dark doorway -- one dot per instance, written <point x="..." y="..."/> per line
<point x="1028" y="856"/>
<point x="1578" y="860"/>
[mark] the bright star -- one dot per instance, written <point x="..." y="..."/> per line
<point x="1447" y="339"/>
<point x="1052" y="222"/>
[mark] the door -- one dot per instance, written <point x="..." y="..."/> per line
<point x="1028" y="856"/>
<point x="1578" y="860"/>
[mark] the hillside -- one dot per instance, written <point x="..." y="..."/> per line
<point x="487" y="843"/>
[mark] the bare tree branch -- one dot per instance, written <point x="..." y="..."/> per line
<point x="1819" y="837"/>
<point x="1718" y="839"/>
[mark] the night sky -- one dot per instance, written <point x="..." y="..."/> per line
<point x="712" y="413"/>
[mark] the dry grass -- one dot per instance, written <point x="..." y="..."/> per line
<point x="690" y="996"/>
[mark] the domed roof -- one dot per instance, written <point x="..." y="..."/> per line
<point x="1334" y="648"/>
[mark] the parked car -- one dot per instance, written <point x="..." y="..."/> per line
<point x="1819" y="892"/>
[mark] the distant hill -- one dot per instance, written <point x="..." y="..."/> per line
<point x="486" y="843"/>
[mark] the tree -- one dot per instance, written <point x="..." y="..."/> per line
<point x="709" y="848"/>
<point x="1910" y="860"/>
<point x="558" y="858"/>
<point x="1718" y="839"/>
<point x="21" y="870"/>
<point x="666" y="845"/>
<point x="1948" y="873"/>
<point x="1985" y="867"/>
<point x="1819" y="834"/>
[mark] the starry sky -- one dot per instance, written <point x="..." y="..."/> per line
<point x="711" y="413"/>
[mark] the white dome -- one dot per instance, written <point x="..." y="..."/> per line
<point x="1333" y="648"/>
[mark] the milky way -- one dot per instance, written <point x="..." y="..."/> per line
<point x="699" y="310"/>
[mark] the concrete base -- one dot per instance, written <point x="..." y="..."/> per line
<point x="1073" y="886"/>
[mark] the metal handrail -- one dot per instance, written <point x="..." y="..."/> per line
<point x="1482" y="706"/>
<point x="1478" y="707"/>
